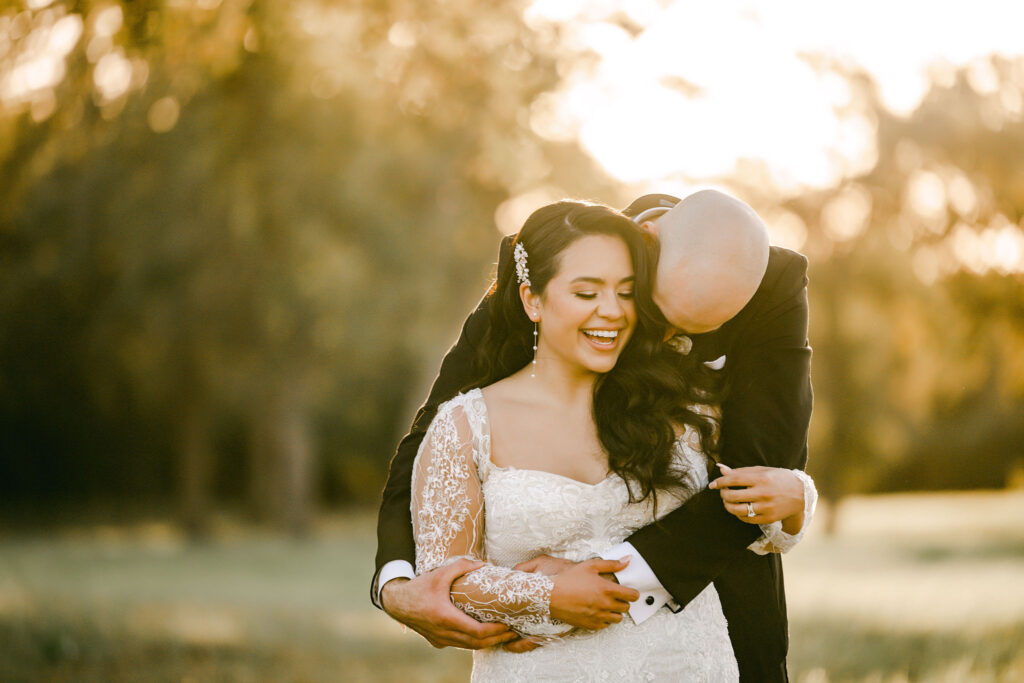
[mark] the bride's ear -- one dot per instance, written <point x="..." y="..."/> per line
<point x="531" y="302"/>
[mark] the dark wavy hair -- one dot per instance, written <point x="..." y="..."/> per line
<point x="637" y="405"/>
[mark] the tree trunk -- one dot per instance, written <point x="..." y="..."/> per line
<point x="196" y="457"/>
<point x="281" y="452"/>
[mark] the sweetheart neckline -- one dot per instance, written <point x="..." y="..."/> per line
<point x="479" y="395"/>
<point x="513" y="468"/>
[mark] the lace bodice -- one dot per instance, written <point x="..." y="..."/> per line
<point x="530" y="512"/>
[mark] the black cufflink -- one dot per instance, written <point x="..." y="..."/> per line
<point x="649" y="600"/>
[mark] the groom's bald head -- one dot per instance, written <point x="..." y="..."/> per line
<point x="714" y="252"/>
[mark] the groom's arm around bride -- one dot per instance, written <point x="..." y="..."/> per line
<point x="764" y="422"/>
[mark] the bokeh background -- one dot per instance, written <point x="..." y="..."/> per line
<point x="237" y="236"/>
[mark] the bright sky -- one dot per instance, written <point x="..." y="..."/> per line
<point x="690" y="95"/>
<point x="755" y="98"/>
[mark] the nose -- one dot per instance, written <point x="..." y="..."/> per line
<point x="609" y="307"/>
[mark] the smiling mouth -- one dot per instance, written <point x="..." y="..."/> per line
<point x="602" y="337"/>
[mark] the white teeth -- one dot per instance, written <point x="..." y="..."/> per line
<point x="607" y="334"/>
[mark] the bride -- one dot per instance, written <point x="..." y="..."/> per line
<point x="601" y="433"/>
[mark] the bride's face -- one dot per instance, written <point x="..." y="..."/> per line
<point x="586" y="313"/>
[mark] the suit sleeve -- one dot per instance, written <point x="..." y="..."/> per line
<point x="765" y="418"/>
<point x="394" y="522"/>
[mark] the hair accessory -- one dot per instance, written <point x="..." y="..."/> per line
<point x="522" y="272"/>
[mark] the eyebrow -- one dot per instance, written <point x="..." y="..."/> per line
<point x="600" y="281"/>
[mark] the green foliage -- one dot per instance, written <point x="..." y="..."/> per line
<point x="266" y="234"/>
<point x="917" y="332"/>
<point x="236" y="237"/>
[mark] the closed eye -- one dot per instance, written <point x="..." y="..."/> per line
<point x="586" y="295"/>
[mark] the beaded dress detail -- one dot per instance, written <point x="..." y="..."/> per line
<point x="463" y="505"/>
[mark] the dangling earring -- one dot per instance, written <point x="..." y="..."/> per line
<point x="533" y="370"/>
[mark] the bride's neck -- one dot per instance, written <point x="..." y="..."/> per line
<point x="562" y="384"/>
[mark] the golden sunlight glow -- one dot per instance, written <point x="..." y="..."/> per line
<point x="107" y="21"/>
<point x="113" y="75"/>
<point x="689" y="92"/>
<point x="163" y="114"/>
<point x="846" y="216"/>
<point x="39" y="67"/>
<point x="998" y="247"/>
<point x="786" y="229"/>
<point x="926" y="196"/>
<point x="512" y="213"/>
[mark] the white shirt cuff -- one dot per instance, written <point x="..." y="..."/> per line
<point x="638" y="575"/>
<point x="773" y="538"/>
<point x="395" y="569"/>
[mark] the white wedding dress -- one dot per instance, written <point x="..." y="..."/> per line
<point x="463" y="505"/>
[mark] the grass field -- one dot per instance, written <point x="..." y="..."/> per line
<point x="911" y="588"/>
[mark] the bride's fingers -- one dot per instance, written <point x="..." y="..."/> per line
<point x="741" y="511"/>
<point x="748" y="495"/>
<point x="740" y="477"/>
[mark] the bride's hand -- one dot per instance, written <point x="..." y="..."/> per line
<point x="773" y="493"/>
<point x="545" y="564"/>
<point x="582" y="597"/>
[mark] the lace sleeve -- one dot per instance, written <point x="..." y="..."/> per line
<point x="773" y="538"/>
<point x="448" y="516"/>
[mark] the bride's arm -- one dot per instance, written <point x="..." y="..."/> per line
<point x="448" y="514"/>
<point x="783" y="502"/>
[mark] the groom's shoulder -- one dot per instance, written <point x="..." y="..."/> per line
<point x="785" y="276"/>
<point x="786" y="261"/>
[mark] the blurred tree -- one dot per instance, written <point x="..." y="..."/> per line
<point x="916" y="293"/>
<point x="256" y="213"/>
<point x="235" y="236"/>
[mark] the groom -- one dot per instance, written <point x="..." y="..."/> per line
<point x="739" y="315"/>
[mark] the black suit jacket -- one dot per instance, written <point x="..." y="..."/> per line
<point x="764" y="422"/>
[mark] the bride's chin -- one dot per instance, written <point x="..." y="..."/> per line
<point x="601" y="366"/>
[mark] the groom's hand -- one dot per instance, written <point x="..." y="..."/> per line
<point x="424" y="605"/>
<point x="584" y="598"/>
